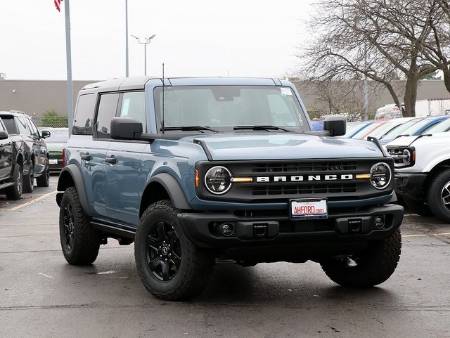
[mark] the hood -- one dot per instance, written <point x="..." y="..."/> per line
<point x="414" y="140"/>
<point x="284" y="146"/>
<point x="402" y="141"/>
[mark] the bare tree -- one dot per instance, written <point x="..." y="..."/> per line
<point x="374" y="38"/>
<point x="436" y="49"/>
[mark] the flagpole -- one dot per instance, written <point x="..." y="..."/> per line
<point x="69" y="66"/>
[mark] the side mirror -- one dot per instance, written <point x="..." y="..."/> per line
<point x="335" y="126"/>
<point x="3" y="135"/>
<point x="45" y="134"/>
<point x="126" y="129"/>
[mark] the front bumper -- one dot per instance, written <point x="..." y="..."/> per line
<point x="271" y="229"/>
<point x="410" y="186"/>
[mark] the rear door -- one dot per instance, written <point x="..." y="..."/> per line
<point x="106" y="110"/>
<point x="6" y="156"/>
<point x="40" y="148"/>
<point x="130" y="163"/>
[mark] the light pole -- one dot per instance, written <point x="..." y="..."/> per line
<point x="127" y="63"/>
<point x="145" y="41"/>
<point x="69" y="66"/>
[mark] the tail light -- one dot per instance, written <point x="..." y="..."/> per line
<point x="63" y="157"/>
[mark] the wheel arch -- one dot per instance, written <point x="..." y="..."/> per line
<point x="71" y="176"/>
<point x="437" y="169"/>
<point x="163" y="186"/>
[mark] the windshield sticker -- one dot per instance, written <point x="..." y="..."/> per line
<point x="286" y="91"/>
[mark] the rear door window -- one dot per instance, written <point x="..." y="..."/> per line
<point x="33" y="129"/>
<point x="133" y="107"/>
<point x="107" y="109"/>
<point x="84" y="114"/>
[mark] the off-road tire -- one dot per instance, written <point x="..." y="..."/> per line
<point x="374" y="266"/>
<point x="14" y="192"/>
<point x="44" y="180"/>
<point x="28" y="180"/>
<point x="83" y="250"/>
<point x="195" y="268"/>
<point x="434" y="197"/>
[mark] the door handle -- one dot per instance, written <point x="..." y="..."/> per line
<point x="111" y="160"/>
<point x="85" y="156"/>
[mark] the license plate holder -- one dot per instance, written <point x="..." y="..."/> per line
<point x="308" y="208"/>
<point x="53" y="161"/>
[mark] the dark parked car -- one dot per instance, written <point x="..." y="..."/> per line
<point x="55" y="146"/>
<point x="10" y="166"/>
<point x="31" y="145"/>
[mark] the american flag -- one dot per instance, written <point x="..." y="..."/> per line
<point x="58" y="4"/>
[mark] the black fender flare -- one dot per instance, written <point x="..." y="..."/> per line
<point x="71" y="176"/>
<point x="173" y="189"/>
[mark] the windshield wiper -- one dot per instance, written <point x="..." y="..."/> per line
<point x="402" y="136"/>
<point x="261" y="128"/>
<point x="191" y="128"/>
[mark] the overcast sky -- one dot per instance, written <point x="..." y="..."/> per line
<point x="194" y="38"/>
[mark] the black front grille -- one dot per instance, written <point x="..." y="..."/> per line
<point x="304" y="189"/>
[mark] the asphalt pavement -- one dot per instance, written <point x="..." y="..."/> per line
<point x="42" y="296"/>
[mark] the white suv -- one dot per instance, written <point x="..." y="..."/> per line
<point x="423" y="173"/>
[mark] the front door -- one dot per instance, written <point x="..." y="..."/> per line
<point x="130" y="162"/>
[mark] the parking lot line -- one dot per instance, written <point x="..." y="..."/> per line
<point x="32" y="201"/>
<point x="415" y="235"/>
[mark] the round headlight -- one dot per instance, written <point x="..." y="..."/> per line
<point x="218" y="180"/>
<point x="380" y="175"/>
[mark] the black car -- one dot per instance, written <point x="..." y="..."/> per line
<point x="10" y="166"/>
<point x="31" y="146"/>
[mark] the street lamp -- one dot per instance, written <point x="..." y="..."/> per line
<point x="145" y="41"/>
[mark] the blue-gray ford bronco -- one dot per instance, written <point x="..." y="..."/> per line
<point x="195" y="171"/>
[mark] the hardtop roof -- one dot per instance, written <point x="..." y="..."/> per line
<point x="140" y="82"/>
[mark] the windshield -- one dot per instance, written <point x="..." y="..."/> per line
<point x="399" y="130"/>
<point x="385" y="128"/>
<point x="230" y="106"/>
<point x="425" y="123"/>
<point x="58" y="136"/>
<point x="10" y="125"/>
<point x="366" y="130"/>
<point x="439" y="128"/>
<point x="352" y="127"/>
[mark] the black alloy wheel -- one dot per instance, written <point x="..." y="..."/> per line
<point x="68" y="222"/>
<point x="445" y="195"/>
<point x="163" y="251"/>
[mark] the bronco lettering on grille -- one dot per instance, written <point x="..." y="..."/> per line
<point x="303" y="178"/>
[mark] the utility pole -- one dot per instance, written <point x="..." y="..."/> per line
<point x="127" y="60"/>
<point x="69" y="66"/>
<point x="145" y="42"/>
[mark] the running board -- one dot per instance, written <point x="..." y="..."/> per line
<point x="117" y="230"/>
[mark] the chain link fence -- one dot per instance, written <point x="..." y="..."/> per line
<point x="51" y="119"/>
